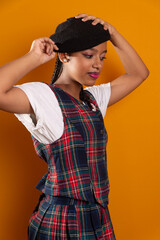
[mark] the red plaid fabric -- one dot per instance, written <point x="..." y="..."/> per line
<point x="77" y="169"/>
<point x="64" y="218"/>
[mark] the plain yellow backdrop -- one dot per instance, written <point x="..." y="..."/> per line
<point x="133" y="152"/>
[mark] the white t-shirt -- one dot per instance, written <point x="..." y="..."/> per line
<point x="48" y="125"/>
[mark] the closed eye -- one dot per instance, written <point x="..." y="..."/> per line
<point x="90" y="56"/>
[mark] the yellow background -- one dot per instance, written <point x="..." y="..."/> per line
<point x="132" y="123"/>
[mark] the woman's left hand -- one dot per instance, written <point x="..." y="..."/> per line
<point x="106" y="25"/>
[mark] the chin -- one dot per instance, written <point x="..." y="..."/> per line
<point x="89" y="84"/>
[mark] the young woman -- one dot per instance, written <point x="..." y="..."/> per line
<point x="66" y="124"/>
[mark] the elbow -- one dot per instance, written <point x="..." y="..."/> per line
<point x="2" y="102"/>
<point x="145" y="74"/>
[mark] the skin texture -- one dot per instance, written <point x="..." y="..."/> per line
<point x="75" y="69"/>
<point x="136" y="70"/>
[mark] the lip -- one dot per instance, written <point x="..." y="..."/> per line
<point x="94" y="75"/>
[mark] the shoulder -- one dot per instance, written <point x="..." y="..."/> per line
<point x="38" y="91"/>
<point x="47" y="125"/>
<point x="33" y="86"/>
<point x="102" y="94"/>
<point x="96" y="89"/>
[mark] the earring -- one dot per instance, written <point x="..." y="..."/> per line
<point x="64" y="60"/>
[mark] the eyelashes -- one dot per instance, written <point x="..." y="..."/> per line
<point x="90" y="56"/>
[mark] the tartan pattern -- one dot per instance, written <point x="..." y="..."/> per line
<point x="77" y="165"/>
<point x="76" y="170"/>
<point x="64" y="218"/>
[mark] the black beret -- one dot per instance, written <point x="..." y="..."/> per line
<point x="75" y="35"/>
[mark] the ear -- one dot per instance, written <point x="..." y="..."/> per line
<point x="62" y="56"/>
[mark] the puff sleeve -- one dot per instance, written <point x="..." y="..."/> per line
<point x="47" y="126"/>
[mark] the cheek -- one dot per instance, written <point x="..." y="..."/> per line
<point x="80" y="67"/>
<point x="85" y="66"/>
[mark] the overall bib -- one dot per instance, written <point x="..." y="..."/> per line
<point x="74" y="200"/>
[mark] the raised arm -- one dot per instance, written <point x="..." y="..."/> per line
<point x="13" y="99"/>
<point x="136" y="70"/>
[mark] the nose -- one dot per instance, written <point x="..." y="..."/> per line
<point x="97" y="63"/>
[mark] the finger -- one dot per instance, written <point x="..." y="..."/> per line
<point x="47" y="48"/>
<point x="105" y="27"/>
<point x="57" y="48"/>
<point x="47" y="40"/>
<point x="97" y="20"/>
<point x="89" y="17"/>
<point x="51" y="48"/>
<point x="81" y="15"/>
<point x="54" y="46"/>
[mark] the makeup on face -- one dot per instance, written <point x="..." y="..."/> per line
<point x="94" y="74"/>
<point x="86" y="53"/>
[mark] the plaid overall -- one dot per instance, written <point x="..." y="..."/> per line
<point x="74" y="200"/>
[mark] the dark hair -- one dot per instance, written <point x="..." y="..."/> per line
<point x="57" y="72"/>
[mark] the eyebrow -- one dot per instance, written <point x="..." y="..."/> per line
<point x="93" y="49"/>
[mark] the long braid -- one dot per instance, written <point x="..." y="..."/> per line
<point x="58" y="70"/>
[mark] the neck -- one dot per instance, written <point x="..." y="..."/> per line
<point x="70" y="86"/>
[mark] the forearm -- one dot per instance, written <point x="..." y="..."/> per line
<point x="130" y="59"/>
<point x="13" y="71"/>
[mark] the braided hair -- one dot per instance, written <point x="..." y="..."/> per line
<point x="57" y="72"/>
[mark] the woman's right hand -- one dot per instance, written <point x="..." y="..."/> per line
<point x="44" y="48"/>
<point x="13" y="99"/>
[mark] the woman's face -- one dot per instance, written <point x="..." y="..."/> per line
<point x="84" y="62"/>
